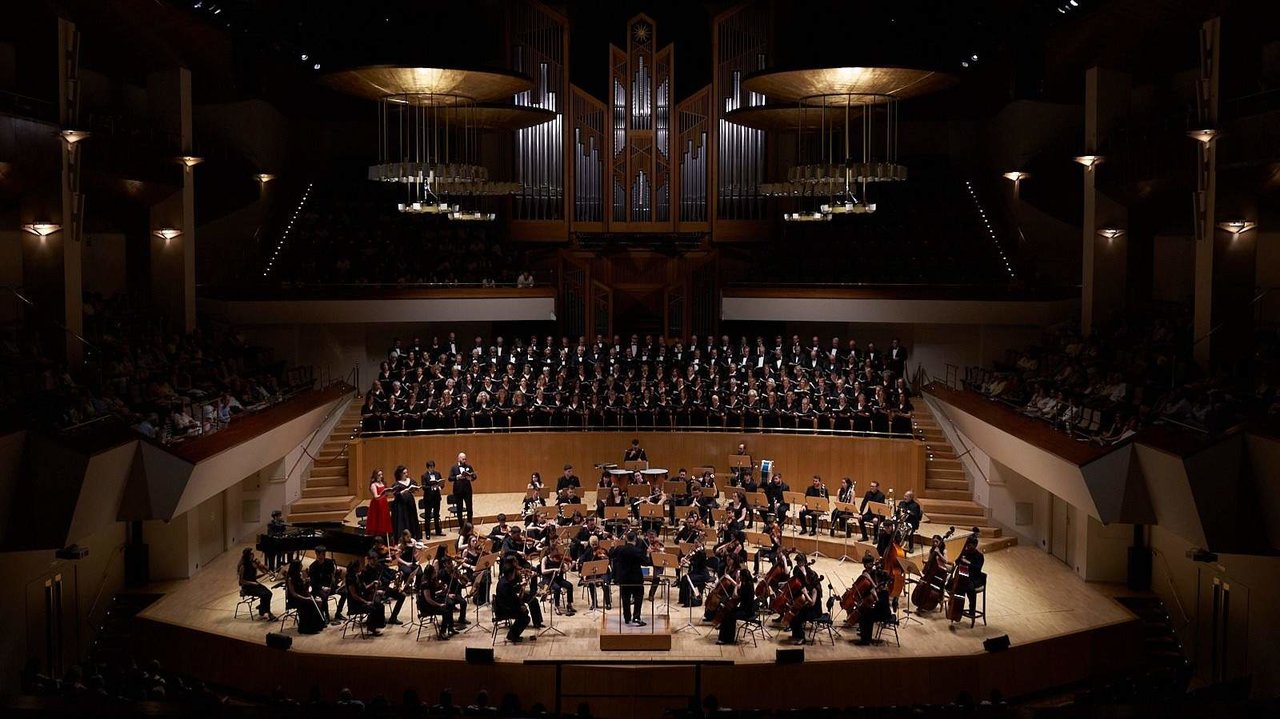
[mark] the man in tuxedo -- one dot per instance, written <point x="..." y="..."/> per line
<point x="897" y="358"/>
<point x="628" y="558"/>
<point x="461" y="476"/>
<point x="873" y="495"/>
<point x="431" y="485"/>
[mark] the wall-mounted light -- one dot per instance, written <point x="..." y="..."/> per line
<point x="189" y="161"/>
<point x="1089" y="161"/>
<point x="167" y="233"/>
<point x="264" y="177"/>
<point x="1205" y="136"/>
<point x="42" y="229"/>
<point x="71" y="137"/>
<point x="1015" y="176"/>
<point x="1235" y="227"/>
<point x="1111" y="233"/>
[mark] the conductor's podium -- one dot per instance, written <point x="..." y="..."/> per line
<point x="618" y="637"/>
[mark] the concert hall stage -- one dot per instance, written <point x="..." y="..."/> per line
<point x="1053" y="620"/>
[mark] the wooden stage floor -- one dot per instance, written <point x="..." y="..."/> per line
<point x="1031" y="597"/>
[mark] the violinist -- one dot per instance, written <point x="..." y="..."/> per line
<point x="732" y="553"/>
<point x="910" y="513"/>
<point x="455" y="580"/>
<point x="595" y="552"/>
<point x="774" y="552"/>
<point x="534" y="496"/>
<point x="432" y="598"/>
<point x="695" y="575"/>
<point x="247" y="572"/>
<point x="498" y="535"/>
<point x="809" y="517"/>
<point x="516" y="545"/>
<point x="839" y="516"/>
<point x="467" y="571"/>
<point x="553" y="568"/>
<point x="745" y="607"/>
<point x="514" y="600"/>
<point x="880" y="611"/>
<point x="967" y="575"/>
<point x="873" y="495"/>
<point x="322" y="574"/>
<point x="689" y="530"/>
<point x="363" y="596"/>
<point x="653" y="546"/>
<point x="809" y="605"/>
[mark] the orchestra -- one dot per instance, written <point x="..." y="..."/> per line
<point x="713" y="570"/>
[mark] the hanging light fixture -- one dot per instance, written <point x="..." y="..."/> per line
<point x="806" y="217"/>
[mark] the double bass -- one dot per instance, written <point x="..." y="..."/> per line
<point x="959" y="576"/>
<point x="890" y="561"/>
<point x="932" y="585"/>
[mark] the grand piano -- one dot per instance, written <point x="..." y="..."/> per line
<point x="336" y="537"/>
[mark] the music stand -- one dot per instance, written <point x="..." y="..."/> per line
<point x="908" y="568"/>
<point x="567" y="510"/>
<point x="593" y="575"/>
<point x="635" y="464"/>
<point x="567" y="531"/>
<point x="675" y="488"/>
<point x="821" y="505"/>
<point x="666" y="561"/>
<point x="484" y="564"/>
<point x="793" y="499"/>
<point x="759" y="503"/>
<point x="852" y="510"/>
<point x="616" y="515"/>
<point x="651" y="511"/>
<point x="720" y="516"/>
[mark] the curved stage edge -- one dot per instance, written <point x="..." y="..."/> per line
<point x="1063" y="631"/>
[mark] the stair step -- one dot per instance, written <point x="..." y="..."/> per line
<point x="312" y="491"/>
<point x="323" y="504"/>
<point x="938" y="483"/>
<point x="327" y="482"/>
<point x="956" y="494"/>
<point x="329" y="470"/>
<point x="334" y="516"/>
<point x="952" y="506"/>
<point x="931" y="472"/>
<point x="945" y="463"/>
<point x="959" y="521"/>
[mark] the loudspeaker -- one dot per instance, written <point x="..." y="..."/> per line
<point x="1139" y="569"/>
<point x="790" y="656"/>
<point x="479" y="655"/>
<point x="996" y="644"/>
<point x="279" y="641"/>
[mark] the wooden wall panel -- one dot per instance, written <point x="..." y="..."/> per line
<point x="504" y="461"/>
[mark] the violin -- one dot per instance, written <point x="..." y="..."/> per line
<point x="932" y="585"/>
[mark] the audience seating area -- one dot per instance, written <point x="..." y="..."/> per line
<point x="643" y="382"/>
<point x="168" y="386"/>
<point x="1126" y="375"/>
<point x="351" y="233"/>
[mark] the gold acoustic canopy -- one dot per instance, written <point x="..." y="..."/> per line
<point x="780" y="118"/>
<point x="429" y="85"/>
<point x="853" y="85"/>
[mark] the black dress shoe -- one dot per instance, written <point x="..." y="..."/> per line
<point x="639" y="623"/>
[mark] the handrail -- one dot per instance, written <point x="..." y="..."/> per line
<point x="306" y="453"/>
<point x="633" y="428"/>
<point x="102" y="582"/>
<point x="968" y="451"/>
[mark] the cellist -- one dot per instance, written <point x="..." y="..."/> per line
<point x="967" y="582"/>
<point x="745" y="608"/>
<point x="807" y="607"/>
<point x="880" y="611"/>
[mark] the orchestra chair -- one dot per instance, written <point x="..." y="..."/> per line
<point x="289" y="613"/>
<point x="500" y="624"/>
<point x="354" y="619"/>
<point x="362" y="515"/>
<point x="753" y="627"/>
<point x="247" y="601"/>
<point x="452" y="512"/>
<point x="890" y="625"/>
<point x="972" y="611"/>
<point x="823" y="622"/>
<point x="421" y="621"/>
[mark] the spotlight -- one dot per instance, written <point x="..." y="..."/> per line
<point x="315" y="66"/>
<point x="305" y="57"/>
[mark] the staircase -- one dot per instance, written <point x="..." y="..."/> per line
<point x="327" y="495"/>
<point x="947" y="498"/>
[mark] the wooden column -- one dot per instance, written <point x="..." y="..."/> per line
<point x="1206" y="192"/>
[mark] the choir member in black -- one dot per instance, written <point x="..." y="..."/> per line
<point x="513" y="600"/>
<point x="635" y="453"/>
<point x="809" y="517"/>
<point x="404" y="509"/>
<point x="628" y="558"/>
<point x="745" y="589"/>
<point x="432" y="484"/>
<point x="363" y="596"/>
<point x="696" y="575"/>
<point x="298" y="597"/>
<point x="900" y="415"/>
<point x="862" y="415"/>
<point x="812" y="606"/>
<point x="461" y="477"/>
<point x="910" y="512"/>
<point x="897" y="358"/>
<point x="974" y="559"/>
<point x="873" y="495"/>
<point x="433" y="599"/>
<point x="839" y="516"/>
<point x="773" y="490"/>
<point x="322" y="574"/>
<point x="880" y="611"/>
<point x="247" y="573"/>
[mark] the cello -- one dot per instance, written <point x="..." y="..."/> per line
<point x="959" y="577"/>
<point x="859" y="598"/>
<point x="799" y="600"/>
<point x="772" y="578"/>
<point x="782" y="598"/>
<point x="932" y="585"/>
<point x="728" y="590"/>
<point x="721" y="592"/>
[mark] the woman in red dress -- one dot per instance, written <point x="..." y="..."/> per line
<point x="378" y="522"/>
